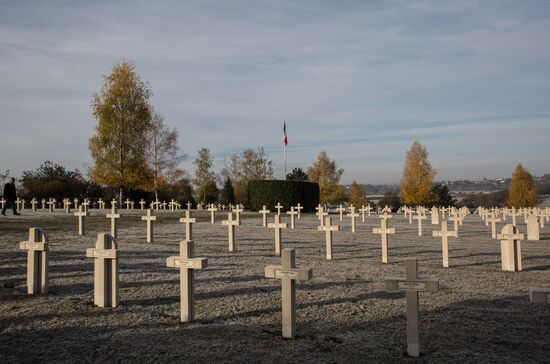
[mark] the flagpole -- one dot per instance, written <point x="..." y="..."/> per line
<point x="284" y="148"/>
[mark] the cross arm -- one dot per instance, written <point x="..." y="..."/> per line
<point x="192" y="263"/>
<point x="299" y="274"/>
<point x="419" y="285"/>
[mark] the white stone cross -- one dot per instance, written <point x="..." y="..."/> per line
<point x="341" y="210"/>
<point x="278" y="226"/>
<point x="455" y="219"/>
<point x="33" y="204"/>
<point x="142" y="204"/>
<point x="67" y="205"/>
<point x="493" y="219"/>
<point x="212" y="208"/>
<point x="51" y="204"/>
<point x="105" y="255"/>
<point x="328" y="228"/>
<point x="299" y="208"/>
<point x="150" y="219"/>
<point x="510" y="248"/>
<point x="353" y="215"/>
<point x="384" y="230"/>
<point x="288" y="273"/>
<point x="101" y="204"/>
<point x="237" y="210"/>
<point x="230" y="230"/>
<point x="419" y="217"/>
<point x="188" y="221"/>
<point x="412" y="284"/>
<point x="363" y="210"/>
<point x="435" y="216"/>
<point x="321" y="214"/>
<point x="37" y="261"/>
<point x="81" y="214"/>
<point x="113" y="216"/>
<point x="187" y="265"/>
<point x="264" y="211"/>
<point x="189" y="205"/>
<point x="444" y="234"/>
<point x="292" y="214"/>
<point x="43" y="204"/>
<point x="279" y="207"/>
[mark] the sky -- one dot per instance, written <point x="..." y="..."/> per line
<point x="361" y="80"/>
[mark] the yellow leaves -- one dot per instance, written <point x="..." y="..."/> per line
<point x="418" y="175"/>
<point x="356" y="195"/>
<point x="522" y="191"/>
<point x="325" y="172"/>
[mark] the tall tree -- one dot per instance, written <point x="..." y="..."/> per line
<point x="228" y="194"/>
<point x="418" y="175"/>
<point x="162" y="152"/>
<point x="124" y="116"/>
<point x="297" y="174"/>
<point x="357" y="195"/>
<point x="205" y="178"/>
<point x="522" y="191"/>
<point x="326" y="173"/>
<point x="441" y="195"/>
<point x="249" y="165"/>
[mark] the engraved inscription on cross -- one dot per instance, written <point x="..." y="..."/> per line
<point x="105" y="255"/>
<point x="187" y="265"/>
<point x="412" y="284"/>
<point x="288" y="273"/>
<point x="37" y="261"/>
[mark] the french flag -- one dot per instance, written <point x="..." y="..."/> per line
<point x="285" y="139"/>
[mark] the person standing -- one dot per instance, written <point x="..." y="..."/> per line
<point x="9" y="196"/>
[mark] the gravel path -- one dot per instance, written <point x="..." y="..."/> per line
<point x="344" y="314"/>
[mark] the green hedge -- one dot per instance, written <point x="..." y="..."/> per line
<point x="288" y="193"/>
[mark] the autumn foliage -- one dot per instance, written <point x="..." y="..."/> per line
<point x="418" y="175"/>
<point x="522" y="191"/>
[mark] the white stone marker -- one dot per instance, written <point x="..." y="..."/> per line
<point x="128" y="203"/>
<point x="230" y="230"/>
<point x="105" y="255"/>
<point x="113" y="216"/>
<point x="150" y="218"/>
<point x="278" y="226"/>
<point x="237" y="210"/>
<point x="539" y="295"/>
<point x="353" y="215"/>
<point x="363" y="210"/>
<point x="444" y="234"/>
<point x="419" y="217"/>
<point x="75" y="201"/>
<point x="101" y="204"/>
<point x="142" y="204"/>
<point x="492" y="218"/>
<point x="299" y="208"/>
<point x="292" y="213"/>
<point x="435" y="216"/>
<point x="81" y="214"/>
<point x="341" y="211"/>
<point x="510" y="248"/>
<point x="37" y="261"/>
<point x="43" y="202"/>
<point x="212" y="210"/>
<point x="533" y="227"/>
<point x="288" y="273"/>
<point x="321" y="214"/>
<point x="384" y="231"/>
<point x="328" y="228"/>
<point x="113" y="202"/>
<point x="51" y="205"/>
<point x="412" y="284"/>
<point x="455" y="219"/>
<point x="188" y="221"/>
<point x="189" y="205"/>
<point x="264" y="211"/>
<point x="187" y="265"/>
<point x="33" y="204"/>
<point x="279" y="207"/>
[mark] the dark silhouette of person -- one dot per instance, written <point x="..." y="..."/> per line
<point x="9" y="196"/>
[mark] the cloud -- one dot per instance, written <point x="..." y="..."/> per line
<point x="359" y="79"/>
